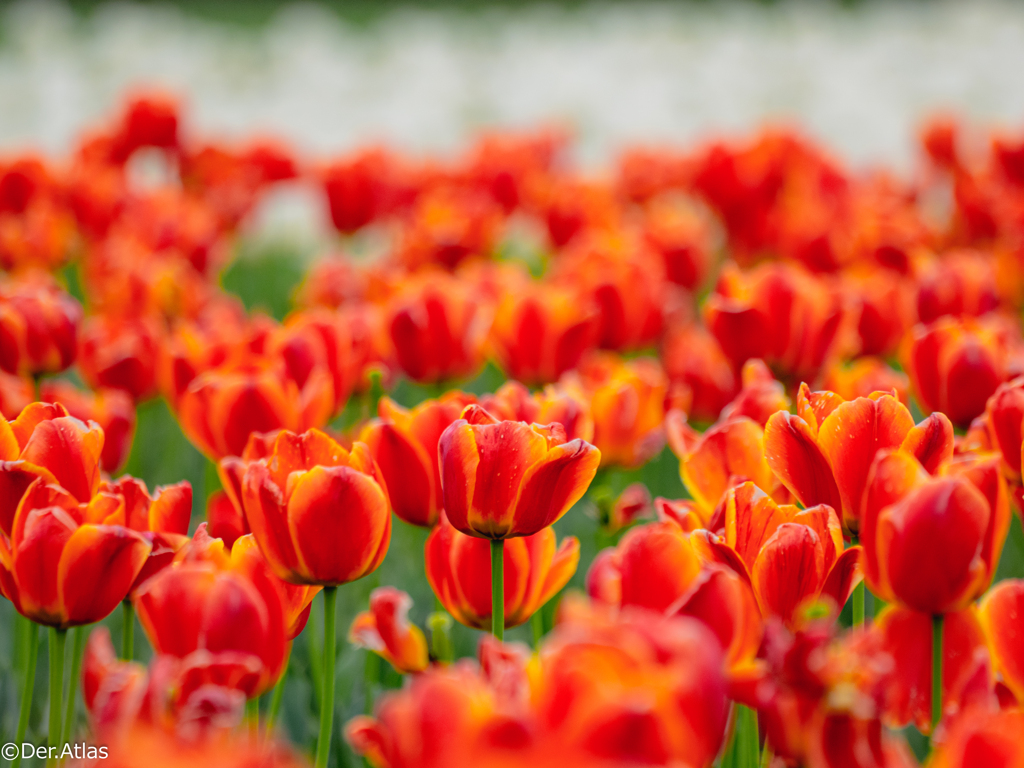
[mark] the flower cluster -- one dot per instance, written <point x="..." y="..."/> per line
<point x="826" y="368"/>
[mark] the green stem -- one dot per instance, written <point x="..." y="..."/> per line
<point x="275" y="698"/>
<point x="537" y="625"/>
<point x="750" y="753"/>
<point x="937" y="622"/>
<point x="127" y="630"/>
<point x="323" y="744"/>
<point x="252" y="716"/>
<point x="32" y="648"/>
<point x="498" y="588"/>
<point x="315" y="656"/>
<point x="858" y="605"/>
<point x="58" y="638"/>
<point x="77" y="646"/>
<point x="371" y="678"/>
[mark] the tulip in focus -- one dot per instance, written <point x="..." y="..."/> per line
<point x="112" y="409"/>
<point x="386" y="630"/>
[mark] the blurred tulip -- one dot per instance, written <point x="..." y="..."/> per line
<point x="358" y="188"/>
<point x="65" y="565"/>
<point x="404" y="443"/>
<point x="683" y="239"/>
<point x="886" y="312"/>
<point x="932" y="543"/>
<point x="437" y="330"/>
<point x="542" y="331"/>
<point x="385" y="630"/>
<point x="149" y="119"/>
<point x="312" y="342"/>
<point x="955" y="365"/>
<point x="240" y="611"/>
<point x="762" y="542"/>
<point x="222" y="407"/>
<point x="112" y="409"/>
<point x="627" y="404"/>
<point x="1004" y="424"/>
<point x="823" y="453"/>
<point x="543" y="474"/>
<point x="16" y="393"/>
<point x="224" y="519"/>
<point x="865" y="375"/>
<point x="907" y="637"/>
<point x="459" y="572"/>
<point x="449" y="225"/>
<point x="554" y="404"/>
<point x="319" y="513"/>
<point x="983" y="738"/>
<point x="117" y="353"/>
<point x="759" y="397"/>
<point x="45" y="442"/>
<point x="38" y="325"/>
<point x="634" y="503"/>
<point x="693" y="358"/>
<point x="1002" y="615"/>
<point x="961" y="283"/>
<point x="296" y="599"/>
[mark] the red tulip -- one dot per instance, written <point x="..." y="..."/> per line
<point x="65" y="564"/>
<point x="502" y="479"/>
<point x="117" y="353"/>
<point x="385" y="629"/>
<point x="1002" y="616"/>
<point x="319" y="513"/>
<point x="991" y="739"/>
<point x="44" y="441"/>
<point x="790" y="556"/>
<point x="404" y="444"/>
<point x="112" y="409"/>
<point x="694" y="359"/>
<point x="210" y="600"/>
<point x="38" y="326"/>
<point x="932" y="543"/>
<point x="459" y="572"/>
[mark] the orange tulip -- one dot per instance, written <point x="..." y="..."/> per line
<point x="213" y="600"/>
<point x="459" y="572"/>
<point x="683" y="239"/>
<point x="16" y="392"/>
<point x="315" y="342"/>
<point x="961" y="283"/>
<point x="222" y="407"/>
<point x="437" y="329"/>
<point x="65" y="564"/>
<point x="863" y="376"/>
<point x="956" y="364"/>
<point x="760" y="395"/>
<point x="763" y="541"/>
<point x="514" y="402"/>
<point x="627" y="404"/>
<point x="225" y="521"/>
<point x="112" y="409"/>
<point x="1002" y="615"/>
<point x="823" y="453"/>
<point x="319" y="513"/>
<point x="540" y="331"/>
<point x="932" y="543"/>
<point x="907" y="637"/>
<point x="991" y="739"/>
<point x="404" y="442"/>
<point x="448" y="225"/>
<point x="694" y="359"/>
<point x="502" y="479"/>
<point x="44" y="441"/>
<point x="1004" y="424"/>
<point x="296" y="599"/>
<point x="730" y="452"/>
<point x="358" y="188"/>
<point x="38" y="325"/>
<point x="386" y="630"/>
<point x="118" y="353"/>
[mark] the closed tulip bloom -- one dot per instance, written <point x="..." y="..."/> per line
<point x="541" y="331"/>
<point x="627" y="405"/>
<point x="693" y="358"/>
<point x="222" y="407"/>
<point x="208" y="600"/>
<point x="404" y="442"/>
<point x="39" y="324"/>
<point x="64" y="564"/>
<point x="907" y="637"/>
<point x="1002" y="615"/>
<point x="932" y="543"/>
<point x="319" y="513"/>
<point x="296" y="599"/>
<point x="1004" y="424"/>
<point x="44" y="441"/>
<point x="313" y="342"/>
<point x="822" y="454"/>
<point x="118" y="353"/>
<point x="437" y="329"/>
<point x="555" y="403"/>
<point x="112" y="409"/>
<point x="386" y="630"/>
<point x="760" y="395"/>
<point x="790" y="556"/>
<point x="956" y="364"/>
<point x="502" y="479"/>
<point x="459" y="571"/>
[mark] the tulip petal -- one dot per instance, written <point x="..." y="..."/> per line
<point x="97" y="568"/>
<point x="166" y="606"/>
<point x="338" y="518"/>
<point x="171" y="510"/>
<point x="37" y="555"/>
<point x="409" y="470"/>
<point x="267" y="517"/>
<point x="931" y="441"/>
<point x="844" y="577"/>
<point x="789" y="569"/>
<point x="553" y="485"/>
<point x="1002" y="615"/>
<point x="792" y="452"/>
<point x="658" y="564"/>
<point x="71" y="451"/>
<point x="563" y="568"/>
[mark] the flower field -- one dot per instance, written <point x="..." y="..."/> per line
<point x="711" y="456"/>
